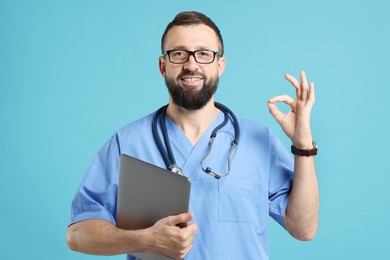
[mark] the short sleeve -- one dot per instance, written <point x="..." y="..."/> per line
<point x="280" y="179"/>
<point x="97" y="194"/>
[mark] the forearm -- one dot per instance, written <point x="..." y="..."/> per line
<point x="100" y="237"/>
<point x="301" y="218"/>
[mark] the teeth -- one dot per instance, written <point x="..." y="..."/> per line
<point x="191" y="79"/>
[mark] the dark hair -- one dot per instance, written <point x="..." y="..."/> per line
<point x="192" y="18"/>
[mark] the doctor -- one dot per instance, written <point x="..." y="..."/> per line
<point x="228" y="216"/>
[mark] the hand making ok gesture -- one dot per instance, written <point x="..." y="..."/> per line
<point x="296" y="123"/>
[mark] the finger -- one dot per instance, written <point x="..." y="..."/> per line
<point x="311" y="99"/>
<point x="188" y="233"/>
<point x="192" y="229"/>
<point x="295" y="83"/>
<point x="275" y="112"/>
<point x="273" y="109"/>
<point x="181" y="218"/>
<point x="283" y="98"/>
<point x="185" y="252"/>
<point x="304" y="86"/>
<point x="303" y="78"/>
<point x="188" y="249"/>
<point x="187" y="238"/>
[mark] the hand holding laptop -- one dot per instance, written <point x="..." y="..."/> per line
<point x="167" y="238"/>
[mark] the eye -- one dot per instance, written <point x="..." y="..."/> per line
<point x="205" y="53"/>
<point x="178" y="54"/>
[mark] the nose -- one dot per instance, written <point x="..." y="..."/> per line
<point x="191" y="64"/>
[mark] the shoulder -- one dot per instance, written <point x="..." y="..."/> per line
<point x="251" y="127"/>
<point x="136" y="126"/>
<point x="134" y="131"/>
<point x="255" y="133"/>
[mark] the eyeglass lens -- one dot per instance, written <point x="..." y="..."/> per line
<point x="201" y="56"/>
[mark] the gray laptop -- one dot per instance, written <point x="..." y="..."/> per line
<point x="146" y="194"/>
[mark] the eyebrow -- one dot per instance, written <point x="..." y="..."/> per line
<point x="182" y="47"/>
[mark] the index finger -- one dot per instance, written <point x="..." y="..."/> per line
<point x="293" y="81"/>
<point x="296" y="84"/>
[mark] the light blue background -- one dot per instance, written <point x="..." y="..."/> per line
<point x="72" y="72"/>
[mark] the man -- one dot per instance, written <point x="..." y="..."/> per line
<point x="228" y="216"/>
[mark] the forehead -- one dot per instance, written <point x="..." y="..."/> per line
<point x="191" y="37"/>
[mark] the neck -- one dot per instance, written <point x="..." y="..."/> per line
<point x="193" y="122"/>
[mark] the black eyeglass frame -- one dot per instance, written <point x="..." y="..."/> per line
<point x="193" y="55"/>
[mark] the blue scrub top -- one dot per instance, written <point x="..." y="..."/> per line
<point x="231" y="212"/>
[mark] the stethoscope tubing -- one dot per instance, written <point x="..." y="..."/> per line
<point x="167" y="154"/>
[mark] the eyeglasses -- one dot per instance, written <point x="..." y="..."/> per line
<point x="201" y="56"/>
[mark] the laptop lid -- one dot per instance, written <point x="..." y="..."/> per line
<point x="146" y="194"/>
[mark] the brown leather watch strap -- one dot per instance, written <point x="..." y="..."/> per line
<point x="307" y="152"/>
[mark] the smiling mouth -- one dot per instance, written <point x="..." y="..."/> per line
<point x="191" y="79"/>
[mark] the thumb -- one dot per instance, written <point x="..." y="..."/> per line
<point x="181" y="218"/>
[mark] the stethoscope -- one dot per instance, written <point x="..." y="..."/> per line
<point x="167" y="154"/>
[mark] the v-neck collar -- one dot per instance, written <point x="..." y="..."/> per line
<point x="183" y="150"/>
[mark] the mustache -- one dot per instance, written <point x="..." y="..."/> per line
<point x="191" y="73"/>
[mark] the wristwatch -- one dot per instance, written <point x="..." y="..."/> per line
<point x="307" y="152"/>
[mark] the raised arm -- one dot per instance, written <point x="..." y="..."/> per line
<point x="301" y="217"/>
<point x="100" y="237"/>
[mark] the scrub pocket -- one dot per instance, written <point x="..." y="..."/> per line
<point x="238" y="201"/>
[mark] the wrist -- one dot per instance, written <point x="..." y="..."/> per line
<point x="308" y="151"/>
<point x="304" y="141"/>
<point x="144" y="240"/>
<point x="135" y="241"/>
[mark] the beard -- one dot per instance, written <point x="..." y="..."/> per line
<point x="188" y="98"/>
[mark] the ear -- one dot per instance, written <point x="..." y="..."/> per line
<point x="161" y="64"/>
<point x="221" y="65"/>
